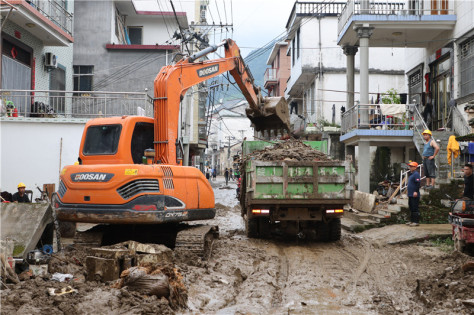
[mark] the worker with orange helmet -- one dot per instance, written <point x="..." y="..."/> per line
<point x="413" y="190"/>
<point x="430" y="150"/>
<point x="21" y="196"/>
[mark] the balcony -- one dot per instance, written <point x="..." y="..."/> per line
<point x="396" y="23"/>
<point x="308" y="9"/>
<point x="270" y="78"/>
<point x="60" y="105"/>
<point x="47" y="20"/>
<point x="378" y="124"/>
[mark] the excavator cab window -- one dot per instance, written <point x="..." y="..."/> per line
<point x="102" y="140"/>
<point x="142" y="139"/>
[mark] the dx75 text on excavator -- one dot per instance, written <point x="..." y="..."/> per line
<point x="112" y="185"/>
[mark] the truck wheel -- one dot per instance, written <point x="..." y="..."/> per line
<point x="264" y="227"/>
<point x="251" y="227"/>
<point x="323" y="231"/>
<point x="335" y="230"/>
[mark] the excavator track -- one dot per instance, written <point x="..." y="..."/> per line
<point x="196" y="241"/>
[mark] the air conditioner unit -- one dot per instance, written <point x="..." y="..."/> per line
<point x="50" y="60"/>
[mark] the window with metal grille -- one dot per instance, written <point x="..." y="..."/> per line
<point x="83" y="78"/>
<point x="467" y="67"/>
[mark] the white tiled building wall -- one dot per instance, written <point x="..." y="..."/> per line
<point x="64" y="56"/>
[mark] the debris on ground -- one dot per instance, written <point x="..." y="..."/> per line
<point x="289" y="150"/>
<point x="161" y="281"/>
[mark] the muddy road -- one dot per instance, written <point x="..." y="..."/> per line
<point x="351" y="276"/>
<point x="248" y="276"/>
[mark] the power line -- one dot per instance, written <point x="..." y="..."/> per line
<point x="180" y="29"/>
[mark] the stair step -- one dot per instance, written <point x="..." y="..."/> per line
<point x="387" y="213"/>
<point x="378" y="217"/>
<point x="369" y="222"/>
<point x="350" y="225"/>
<point x="357" y="217"/>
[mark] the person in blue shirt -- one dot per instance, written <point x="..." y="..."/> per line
<point x="413" y="188"/>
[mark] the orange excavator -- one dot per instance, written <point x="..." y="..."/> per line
<point x="128" y="171"/>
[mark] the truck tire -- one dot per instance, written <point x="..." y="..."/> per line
<point x="251" y="227"/>
<point x="335" y="230"/>
<point x="264" y="228"/>
<point x="323" y="231"/>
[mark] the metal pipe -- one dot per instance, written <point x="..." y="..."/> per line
<point x="205" y="51"/>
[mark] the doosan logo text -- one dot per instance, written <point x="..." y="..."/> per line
<point x="208" y="71"/>
<point x="91" y="177"/>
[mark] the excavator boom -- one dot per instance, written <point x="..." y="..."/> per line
<point x="173" y="81"/>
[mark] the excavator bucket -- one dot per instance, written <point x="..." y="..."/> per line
<point x="273" y="115"/>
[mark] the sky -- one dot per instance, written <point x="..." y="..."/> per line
<point x="256" y="22"/>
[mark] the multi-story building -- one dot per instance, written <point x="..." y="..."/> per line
<point x="438" y="37"/>
<point x="128" y="51"/>
<point x="317" y="82"/>
<point x="276" y="76"/>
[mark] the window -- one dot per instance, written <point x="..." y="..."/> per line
<point x="142" y="139"/>
<point x="102" y="140"/>
<point x="135" y="34"/>
<point x="467" y="67"/>
<point x="83" y="76"/>
<point x="298" y="39"/>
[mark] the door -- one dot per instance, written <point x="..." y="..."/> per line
<point x="442" y="96"/>
<point x="17" y="76"/>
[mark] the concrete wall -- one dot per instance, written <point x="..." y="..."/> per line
<point x="31" y="151"/>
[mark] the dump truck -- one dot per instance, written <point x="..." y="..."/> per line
<point x="293" y="190"/>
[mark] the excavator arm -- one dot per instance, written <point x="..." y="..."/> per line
<point x="173" y="81"/>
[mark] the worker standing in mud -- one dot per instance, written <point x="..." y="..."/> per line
<point x="413" y="188"/>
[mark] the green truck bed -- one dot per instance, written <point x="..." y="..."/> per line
<point x="294" y="181"/>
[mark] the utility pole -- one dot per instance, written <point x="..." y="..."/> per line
<point x="228" y="150"/>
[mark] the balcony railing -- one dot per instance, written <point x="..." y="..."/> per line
<point x="323" y="8"/>
<point x="271" y="75"/>
<point x="358" y="7"/>
<point x="54" y="11"/>
<point x="73" y="104"/>
<point x="370" y="116"/>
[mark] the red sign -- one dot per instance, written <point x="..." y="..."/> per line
<point x="18" y="34"/>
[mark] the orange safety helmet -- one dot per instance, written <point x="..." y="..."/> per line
<point x="413" y="164"/>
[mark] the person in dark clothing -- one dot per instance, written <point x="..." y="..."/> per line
<point x="468" y="182"/>
<point x="294" y="107"/>
<point x="20" y="196"/>
<point x="226" y="176"/>
<point x="413" y="188"/>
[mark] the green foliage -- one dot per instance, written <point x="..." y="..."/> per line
<point x="326" y="123"/>
<point x="391" y="97"/>
<point x="445" y="244"/>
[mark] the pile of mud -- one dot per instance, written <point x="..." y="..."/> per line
<point x="292" y="150"/>
<point x="31" y="296"/>
<point x="450" y="288"/>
